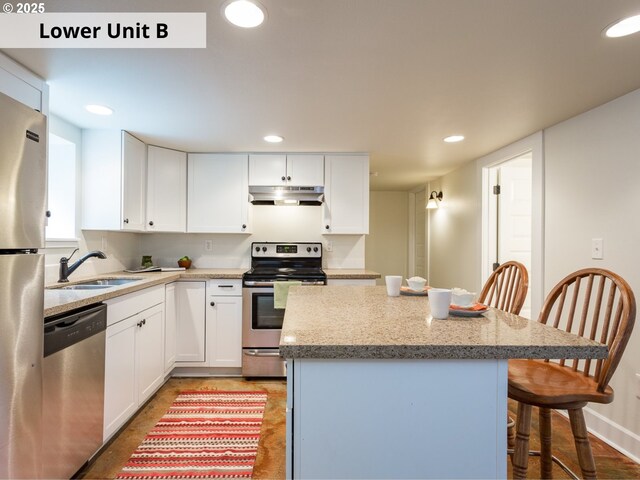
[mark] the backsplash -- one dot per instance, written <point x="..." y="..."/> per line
<point x="270" y="224"/>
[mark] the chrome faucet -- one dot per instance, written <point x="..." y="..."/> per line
<point x="66" y="270"/>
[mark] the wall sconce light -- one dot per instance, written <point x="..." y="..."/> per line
<point x="434" y="200"/>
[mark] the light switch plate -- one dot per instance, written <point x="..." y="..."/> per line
<point x="596" y="248"/>
<point x="637" y="385"/>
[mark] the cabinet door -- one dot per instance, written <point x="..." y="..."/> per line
<point x="166" y="190"/>
<point x="267" y="170"/>
<point x="218" y="193"/>
<point x="170" y="317"/>
<point x="224" y="334"/>
<point x="346" y="207"/>
<point x="190" y="326"/>
<point x="149" y="351"/>
<point x="305" y="170"/>
<point x="134" y="181"/>
<point x="120" y="394"/>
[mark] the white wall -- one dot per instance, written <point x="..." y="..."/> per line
<point x="388" y="240"/>
<point x="591" y="171"/>
<point x="270" y="224"/>
<point x="455" y="230"/>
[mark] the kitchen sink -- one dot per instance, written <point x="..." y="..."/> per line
<point x="96" y="284"/>
<point x="110" y="282"/>
<point x="84" y="287"/>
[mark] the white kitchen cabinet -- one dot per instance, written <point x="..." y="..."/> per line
<point x="114" y="174"/>
<point x="166" y="190"/>
<point x="170" y="320"/>
<point x="302" y="170"/>
<point x="149" y="352"/>
<point x="134" y="354"/>
<point x="224" y="331"/>
<point x="120" y="394"/>
<point x="190" y="325"/>
<point x="346" y="190"/>
<point x="218" y="193"/>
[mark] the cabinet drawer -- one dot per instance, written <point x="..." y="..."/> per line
<point x="221" y="287"/>
<point x="123" y="307"/>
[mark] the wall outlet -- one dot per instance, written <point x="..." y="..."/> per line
<point x="105" y="245"/>
<point x="637" y="385"/>
<point x="596" y="248"/>
<point x="329" y="247"/>
<point x="208" y="245"/>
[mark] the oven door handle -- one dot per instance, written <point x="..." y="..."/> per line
<point x="258" y="353"/>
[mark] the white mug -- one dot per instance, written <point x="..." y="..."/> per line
<point x="394" y="282"/>
<point x="439" y="301"/>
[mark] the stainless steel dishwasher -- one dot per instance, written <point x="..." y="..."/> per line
<point x="73" y="389"/>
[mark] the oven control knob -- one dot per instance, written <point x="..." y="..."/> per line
<point x="308" y="249"/>
<point x="315" y="249"/>
<point x="264" y="249"/>
<point x="257" y="249"/>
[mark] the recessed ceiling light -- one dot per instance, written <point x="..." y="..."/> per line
<point x="243" y="13"/>
<point x="454" y="138"/>
<point x="623" y="27"/>
<point x="99" y="109"/>
<point x="273" y="138"/>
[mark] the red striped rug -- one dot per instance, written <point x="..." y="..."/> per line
<point x="205" y="434"/>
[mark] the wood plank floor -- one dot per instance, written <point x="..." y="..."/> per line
<point x="270" y="462"/>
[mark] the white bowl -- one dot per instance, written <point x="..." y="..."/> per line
<point x="462" y="299"/>
<point x="416" y="283"/>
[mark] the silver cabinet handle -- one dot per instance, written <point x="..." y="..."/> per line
<point x="258" y="353"/>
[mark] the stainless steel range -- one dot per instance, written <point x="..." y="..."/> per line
<point x="261" y="322"/>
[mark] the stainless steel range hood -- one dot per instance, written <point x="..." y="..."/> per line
<point x="285" y="195"/>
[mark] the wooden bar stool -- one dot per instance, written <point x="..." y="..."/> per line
<point x="601" y="307"/>
<point x="506" y="289"/>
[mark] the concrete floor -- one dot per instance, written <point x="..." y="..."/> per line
<point x="270" y="462"/>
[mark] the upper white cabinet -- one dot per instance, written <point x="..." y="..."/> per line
<point x="346" y="190"/>
<point x="166" y="190"/>
<point x="218" y="193"/>
<point x="22" y="85"/>
<point x="304" y="170"/>
<point x="114" y="172"/>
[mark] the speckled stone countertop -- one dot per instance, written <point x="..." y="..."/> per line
<point x="348" y="273"/>
<point x="58" y="301"/>
<point x="363" y="322"/>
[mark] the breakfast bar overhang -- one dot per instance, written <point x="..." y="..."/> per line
<point x="377" y="388"/>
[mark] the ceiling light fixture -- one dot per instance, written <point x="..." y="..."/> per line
<point x="98" y="109"/>
<point x="243" y="13"/>
<point x="454" y="138"/>
<point x="624" y="27"/>
<point x="273" y="138"/>
<point x="434" y="198"/>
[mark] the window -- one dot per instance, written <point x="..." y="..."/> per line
<point x="62" y="189"/>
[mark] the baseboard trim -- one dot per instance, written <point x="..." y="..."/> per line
<point x="611" y="433"/>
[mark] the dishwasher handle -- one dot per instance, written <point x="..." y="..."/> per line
<point x="63" y="331"/>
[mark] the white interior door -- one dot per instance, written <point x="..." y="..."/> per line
<point x="511" y="216"/>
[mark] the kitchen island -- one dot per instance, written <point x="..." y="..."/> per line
<point x="377" y="388"/>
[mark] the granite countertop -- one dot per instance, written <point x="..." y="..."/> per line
<point x="58" y="301"/>
<point x="363" y="322"/>
<point x="356" y="273"/>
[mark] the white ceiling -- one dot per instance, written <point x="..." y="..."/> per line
<point x="389" y="77"/>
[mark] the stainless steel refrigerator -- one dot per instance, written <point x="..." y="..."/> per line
<point x="23" y="134"/>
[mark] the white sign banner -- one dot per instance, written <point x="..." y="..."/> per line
<point x="103" y="30"/>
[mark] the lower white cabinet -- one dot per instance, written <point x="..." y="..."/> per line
<point x="134" y="364"/>
<point x="224" y="331"/>
<point x="190" y="323"/>
<point x="170" y="319"/>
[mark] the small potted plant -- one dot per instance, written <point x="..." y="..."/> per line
<point x="185" y="262"/>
